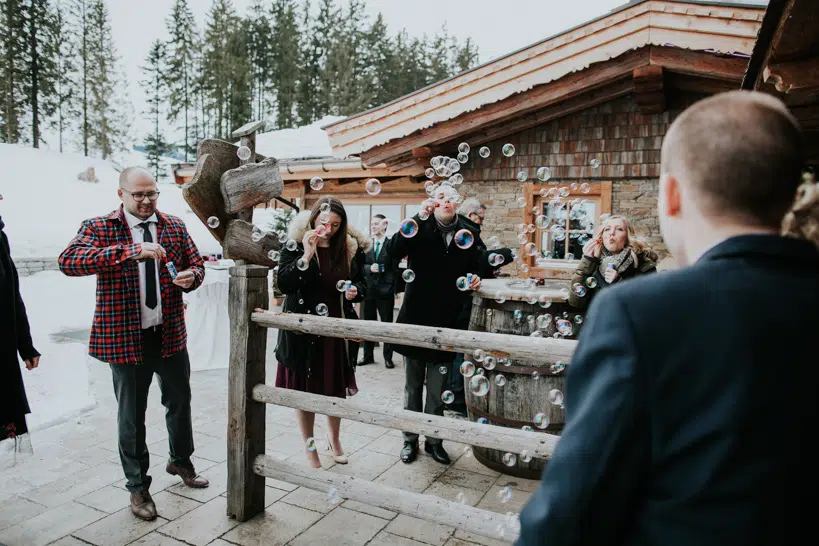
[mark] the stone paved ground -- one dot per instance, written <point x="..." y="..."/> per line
<point x="72" y="492"/>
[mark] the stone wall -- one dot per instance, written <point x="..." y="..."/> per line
<point x="29" y="266"/>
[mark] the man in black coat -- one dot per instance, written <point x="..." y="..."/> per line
<point x="691" y="399"/>
<point x="15" y="338"/>
<point x="380" y="275"/>
<point x="432" y="299"/>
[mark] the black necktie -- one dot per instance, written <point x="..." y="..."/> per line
<point x="150" y="270"/>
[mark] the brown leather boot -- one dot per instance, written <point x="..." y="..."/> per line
<point x="188" y="475"/>
<point x="142" y="505"/>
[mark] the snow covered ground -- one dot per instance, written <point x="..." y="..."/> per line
<point x="306" y="141"/>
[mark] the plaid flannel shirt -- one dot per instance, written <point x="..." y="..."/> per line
<point x="103" y="247"/>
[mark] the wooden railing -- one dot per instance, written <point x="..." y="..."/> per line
<point x="248" y="466"/>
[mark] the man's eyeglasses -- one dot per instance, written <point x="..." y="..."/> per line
<point x="139" y="197"/>
<point x="477" y="218"/>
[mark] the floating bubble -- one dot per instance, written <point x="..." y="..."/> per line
<point x="543" y="320"/>
<point x="521" y="201"/>
<point x="579" y="289"/>
<point x="460" y="497"/>
<point x="408" y="275"/>
<point x="490" y="362"/>
<point x="522" y="176"/>
<point x="443" y="370"/>
<point x="544" y="174"/>
<point x="536" y="333"/>
<point x="429" y="186"/>
<point x="564" y="293"/>
<point x="256" y="235"/>
<point x="213" y="222"/>
<point x="456" y="179"/>
<point x="508" y="150"/>
<point x="479" y="371"/>
<point x="495" y="259"/>
<point x="479" y="385"/>
<point x="518" y="315"/>
<point x="454" y="166"/>
<point x="578" y="319"/>
<point x="544" y="301"/>
<point x="509" y="459"/>
<point x="321" y="310"/>
<point x="321" y="230"/>
<point x="493" y="242"/>
<point x="530" y="249"/>
<point x="479" y="355"/>
<point x="594" y="163"/>
<point x="522" y="238"/>
<point x="436" y="161"/>
<point x="569" y="256"/>
<point x="585" y="187"/>
<point x="372" y="186"/>
<point x="462" y="283"/>
<point x="316" y="183"/>
<point x="489" y="312"/>
<point x="311" y="444"/>
<point x="564" y="327"/>
<point x="408" y="228"/>
<point x="467" y="368"/>
<point x="463" y="158"/>
<point x="541" y="421"/>
<point x="447" y="397"/>
<point x="500" y="297"/>
<point x="542" y="221"/>
<point x="482" y="421"/>
<point x="505" y="494"/>
<point x="341" y="285"/>
<point x="325" y="209"/>
<point x="302" y="264"/>
<point x="525" y="456"/>
<point x="535" y="375"/>
<point x="429" y="172"/>
<point x="564" y="191"/>
<point x="531" y="228"/>
<point x="555" y="397"/>
<point x="574" y="186"/>
<point x="505" y="361"/>
<point x="464" y="239"/>
<point x="273" y="255"/>
<point x="291" y="245"/>
<point x="531" y="299"/>
<point x="244" y="153"/>
<point x="463" y="148"/>
<point x="333" y="496"/>
<point x="591" y="282"/>
<point x="500" y="380"/>
<point x="484" y="152"/>
<point x="557" y="367"/>
<point x="558" y="233"/>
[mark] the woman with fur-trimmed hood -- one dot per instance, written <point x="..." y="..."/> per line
<point x="328" y="252"/>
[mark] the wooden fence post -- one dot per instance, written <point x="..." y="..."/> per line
<point x="246" y="418"/>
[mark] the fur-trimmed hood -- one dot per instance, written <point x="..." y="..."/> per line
<point x="355" y="239"/>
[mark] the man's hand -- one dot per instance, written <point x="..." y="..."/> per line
<point x="476" y="283"/>
<point x="150" y="251"/>
<point x="32" y="363"/>
<point x="374" y="268"/>
<point x="184" y="279"/>
<point x="351" y="293"/>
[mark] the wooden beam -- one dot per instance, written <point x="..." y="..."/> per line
<point x="541" y="351"/>
<point x="247" y="290"/>
<point x="203" y="194"/>
<point x="224" y="153"/>
<point x="698" y="63"/>
<point x="251" y="184"/>
<point x="239" y="244"/>
<point x="648" y="89"/>
<point x="696" y="84"/>
<point x="770" y="32"/>
<point x="803" y="73"/>
<point x="426" y="507"/>
<point x="593" y="77"/>
<point x="513" y="440"/>
<point x="248" y="129"/>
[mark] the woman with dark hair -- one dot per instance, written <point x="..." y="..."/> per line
<point x="323" y="275"/>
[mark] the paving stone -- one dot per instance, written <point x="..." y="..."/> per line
<point x="11" y="486"/>
<point x="367" y="509"/>
<point x="17" y="509"/>
<point x="518" y="483"/>
<point x="279" y="524"/>
<point x="75" y="485"/>
<point x="108" y="499"/>
<point x="214" y="451"/>
<point x="51" y="525"/>
<point x="388" y="539"/>
<point x="271" y="495"/>
<point x="365" y="464"/>
<point x="365" y="429"/>
<point x="467" y="479"/>
<point x="118" y="529"/>
<point x="69" y="541"/>
<point x="412" y="477"/>
<point x="284" y="486"/>
<point x="420" y="530"/>
<point x="450" y="492"/>
<point x="289" y="443"/>
<point x="358" y="529"/>
<point x="49" y="469"/>
<point x="471" y="464"/>
<point x="202" y="525"/>
<point x="388" y="445"/>
<point x="309" y="499"/>
<point x="171" y="506"/>
<point x="95" y="455"/>
<point x="491" y="501"/>
<point x="470" y="538"/>
<point x="217" y="475"/>
<point x="326" y="461"/>
<point x="157" y="539"/>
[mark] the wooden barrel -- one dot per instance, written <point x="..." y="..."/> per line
<point x="525" y="393"/>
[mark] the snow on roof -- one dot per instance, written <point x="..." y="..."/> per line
<point x="301" y="142"/>
<point x="44" y="204"/>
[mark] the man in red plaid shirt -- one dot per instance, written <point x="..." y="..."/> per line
<point x="139" y="323"/>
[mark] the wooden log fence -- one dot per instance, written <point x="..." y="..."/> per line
<point x="248" y="465"/>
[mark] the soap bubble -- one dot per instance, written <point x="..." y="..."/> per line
<point x="564" y="327"/>
<point x="333" y="496"/>
<point x="467" y="368"/>
<point x="591" y="282"/>
<point x="316" y="183"/>
<point x="505" y="494"/>
<point x="544" y="174"/>
<point x="541" y="221"/>
<point x="500" y="297"/>
<point x="484" y="152"/>
<point x="302" y="264"/>
<point x="531" y="228"/>
<point x="213" y="222"/>
<point x="408" y="228"/>
<point x="244" y="153"/>
<point x="574" y="186"/>
<point x="479" y="385"/>
<point x="273" y="255"/>
<point x="527" y="428"/>
<point x="462" y="283"/>
<point x="443" y="370"/>
<point x="463" y="148"/>
<point x="585" y="187"/>
<point x="256" y="235"/>
<point x="544" y="320"/>
<point x="508" y="150"/>
<point x="456" y="179"/>
<point x="541" y="421"/>
<point x="372" y="186"/>
<point x="463" y="158"/>
<point x="578" y="319"/>
<point x="324" y="208"/>
<point x="490" y="362"/>
<point x="460" y="497"/>
<point x="530" y="249"/>
<point x="522" y="238"/>
<point x="522" y="176"/>
<point x="564" y="293"/>
<point x="482" y="421"/>
<point x="579" y="289"/>
<point x="555" y="397"/>
<point x="495" y="260"/>
<point x="408" y="275"/>
<point x="464" y="239"/>
<point x="525" y="456"/>
<point x="521" y="201"/>
<point x="565" y="191"/>
<point x="544" y="301"/>
<point x="595" y="163"/>
<point x="557" y="367"/>
<point x="321" y="230"/>
<point x="493" y="242"/>
<point x="447" y="397"/>
<point x="311" y="444"/>
<point x="454" y="166"/>
<point x="291" y="245"/>
<point x="518" y="315"/>
<point x="429" y="172"/>
<point x="500" y="380"/>
<point x="509" y="459"/>
<point x="322" y="310"/>
<point x="341" y="285"/>
<point x="535" y="375"/>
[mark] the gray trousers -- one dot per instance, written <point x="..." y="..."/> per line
<point x="415" y="371"/>
<point x="131" y="385"/>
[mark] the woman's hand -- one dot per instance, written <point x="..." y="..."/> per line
<point x="592" y="248"/>
<point x="610" y="275"/>
<point x="351" y="293"/>
<point x="309" y="241"/>
<point x="476" y="283"/>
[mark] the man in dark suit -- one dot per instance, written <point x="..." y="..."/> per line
<point x="380" y="287"/>
<point x="691" y="400"/>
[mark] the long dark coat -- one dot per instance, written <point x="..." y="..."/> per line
<point x="589" y="267"/>
<point x="380" y="285"/>
<point x="301" y="352"/>
<point x="433" y="298"/>
<point x="15" y="338"/>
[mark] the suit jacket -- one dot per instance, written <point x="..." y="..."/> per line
<point x="380" y="285"/>
<point x="691" y="408"/>
<point x="103" y="247"/>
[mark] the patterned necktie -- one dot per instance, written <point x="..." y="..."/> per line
<point x="150" y="270"/>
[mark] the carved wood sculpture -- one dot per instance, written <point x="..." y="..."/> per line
<point x="204" y="194"/>
<point x="239" y="244"/>
<point x="250" y="184"/>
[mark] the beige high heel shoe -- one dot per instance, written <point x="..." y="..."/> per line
<point x="339" y="459"/>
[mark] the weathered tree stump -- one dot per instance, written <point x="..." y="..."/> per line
<point x="204" y="195"/>
<point x="223" y="152"/>
<point x="239" y="244"/>
<point x="251" y="184"/>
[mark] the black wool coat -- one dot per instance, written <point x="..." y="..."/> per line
<point x="303" y="353"/>
<point x="380" y="285"/>
<point x="432" y="299"/>
<point x="15" y="338"/>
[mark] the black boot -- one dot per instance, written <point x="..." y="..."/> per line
<point x="437" y="451"/>
<point x="409" y="452"/>
<point x="366" y="360"/>
<point x="388" y="363"/>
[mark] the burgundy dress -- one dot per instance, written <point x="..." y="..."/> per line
<point x="332" y="376"/>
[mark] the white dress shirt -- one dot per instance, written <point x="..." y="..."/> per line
<point x="150" y="317"/>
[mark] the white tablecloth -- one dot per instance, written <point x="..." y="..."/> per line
<point x="208" y="323"/>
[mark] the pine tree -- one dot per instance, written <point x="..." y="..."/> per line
<point x="240" y="96"/>
<point x="286" y="62"/>
<point x="154" y="71"/>
<point x="315" y="82"/>
<point x="344" y="69"/>
<point x="437" y="57"/>
<point x="41" y="66"/>
<point x="80" y="29"/>
<point x="260" y="48"/>
<point x="378" y="64"/>
<point x="466" y="56"/>
<point x="183" y="48"/>
<point x="12" y="70"/>
<point x="65" y="85"/>
<point x="216" y="62"/>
